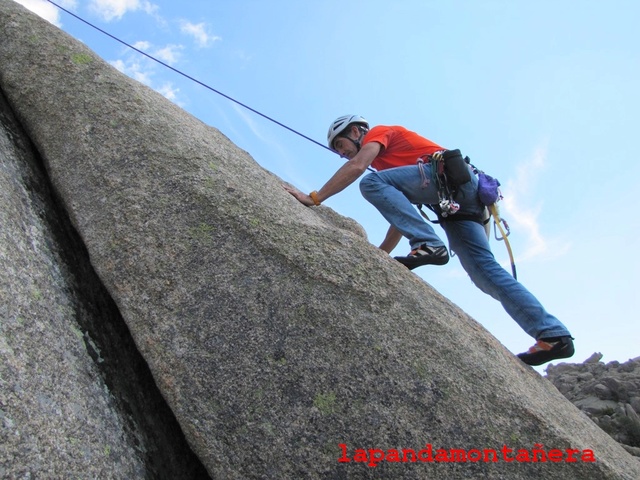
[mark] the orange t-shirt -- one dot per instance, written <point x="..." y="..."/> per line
<point x="400" y="147"/>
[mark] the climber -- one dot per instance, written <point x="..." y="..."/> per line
<point x="400" y="182"/>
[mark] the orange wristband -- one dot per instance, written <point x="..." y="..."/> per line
<point x="314" y="197"/>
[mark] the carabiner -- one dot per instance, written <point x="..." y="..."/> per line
<point x="504" y="233"/>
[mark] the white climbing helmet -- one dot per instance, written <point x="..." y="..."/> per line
<point x="340" y="124"/>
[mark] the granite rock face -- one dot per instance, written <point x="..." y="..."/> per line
<point x="55" y="414"/>
<point x="607" y="393"/>
<point x="76" y="398"/>
<point x="275" y="332"/>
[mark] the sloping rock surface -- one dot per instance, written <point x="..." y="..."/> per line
<point x="275" y="332"/>
<point x="76" y="398"/>
<point x="55" y="412"/>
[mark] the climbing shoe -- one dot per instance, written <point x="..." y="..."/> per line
<point x="547" y="349"/>
<point x="425" y="255"/>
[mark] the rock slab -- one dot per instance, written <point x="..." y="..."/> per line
<point x="275" y="332"/>
<point x="57" y="416"/>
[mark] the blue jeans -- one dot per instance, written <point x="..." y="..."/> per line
<point x="395" y="191"/>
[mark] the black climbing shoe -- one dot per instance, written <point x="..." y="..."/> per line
<point x="547" y="349"/>
<point x="425" y="255"/>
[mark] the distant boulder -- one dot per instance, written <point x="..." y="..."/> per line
<point x="608" y="393"/>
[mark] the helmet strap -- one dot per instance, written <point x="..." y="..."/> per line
<point x="358" y="143"/>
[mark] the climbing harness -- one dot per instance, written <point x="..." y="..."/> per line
<point x="449" y="170"/>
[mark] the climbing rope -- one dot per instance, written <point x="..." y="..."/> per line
<point x="448" y="208"/>
<point x="179" y="72"/>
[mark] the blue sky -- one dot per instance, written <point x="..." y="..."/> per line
<point x="543" y="95"/>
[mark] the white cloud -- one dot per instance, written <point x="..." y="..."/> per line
<point x="142" y="45"/>
<point x="134" y="69"/>
<point x="144" y="70"/>
<point x="248" y="120"/>
<point x="522" y="215"/>
<point x="169" y="54"/>
<point x="169" y="92"/>
<point x="115" y="9"/>
<point x="199" y="33"/>
<point x="47" y="10"/>
<point x="119" y="64"/>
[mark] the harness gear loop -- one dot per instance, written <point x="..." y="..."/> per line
<point x="446" y="202"/>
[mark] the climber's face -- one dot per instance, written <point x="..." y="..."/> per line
<point x="346" y="146"/>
